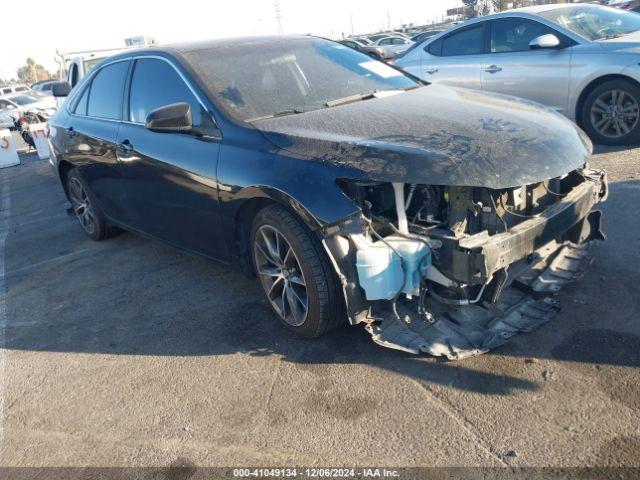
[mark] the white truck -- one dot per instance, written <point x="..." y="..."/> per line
<point x="79" y="64"/>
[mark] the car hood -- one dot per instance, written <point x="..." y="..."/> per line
<point x="436" y="135"/>
<point x="625" y="44"/>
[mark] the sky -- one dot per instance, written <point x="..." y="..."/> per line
<point x="75" y="25"/>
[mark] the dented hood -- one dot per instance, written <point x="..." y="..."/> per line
<point x="436" y="135"/>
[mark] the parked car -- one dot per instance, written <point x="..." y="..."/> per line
<point x="631" y="5"/>
<point x="13" y="89"/>
<point x="372" y="51"/>
<point x="351" y="189"/>
<point x="579" y="59"/>
<point x="22" y="102"/>
<point x="44" y="87"/>
<point x="419" y="36"/>
<point x="392" y="46"/>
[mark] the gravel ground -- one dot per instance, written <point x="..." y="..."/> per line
<point x="128" y="353"/>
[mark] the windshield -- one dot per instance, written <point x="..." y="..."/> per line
<point x="24" y="100"/>
<point x="595" y="22"/>
<point x="268" y="77"/>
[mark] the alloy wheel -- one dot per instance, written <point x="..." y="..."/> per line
<point x="281" y="276"/>
<point x="81" y="205"/>
<point x="615" y="113"/>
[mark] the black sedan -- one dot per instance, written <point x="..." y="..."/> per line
<point x="352" y="190"/>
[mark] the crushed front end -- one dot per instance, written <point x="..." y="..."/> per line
<point x="458" y="270"/>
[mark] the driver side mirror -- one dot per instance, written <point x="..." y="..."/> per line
<point x="174" y="118"/>
<point x="545" y="41"/>
<point x="60" y="89"/>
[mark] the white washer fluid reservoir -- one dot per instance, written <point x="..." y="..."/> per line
<point x="380" y="272"/>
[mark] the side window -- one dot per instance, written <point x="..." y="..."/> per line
<point x="105" y="95"/>
<point x="465" y="42"/>
<point x="350" y="44"/>
<point x="398" y="41"/>
<point x="435" y="48"/>
<point x="81" y="104"/>
<point x="386" y="41"/>
<point x="155" y="84"/>
<point x="6" y="90"/>
<point x="514" y="34"/>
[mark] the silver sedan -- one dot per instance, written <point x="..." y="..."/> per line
<point x="580" y="59"/>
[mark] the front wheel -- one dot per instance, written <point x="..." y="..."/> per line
<point x="295" y="273"/>
<point x="611" y="113"/>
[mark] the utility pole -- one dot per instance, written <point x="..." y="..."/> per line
<point x="388" y="20"/>
<point x="276" y="7"/>
<point x="351" y="18"/>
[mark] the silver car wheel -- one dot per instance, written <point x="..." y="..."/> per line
<point x="615" y="113"/>
<point x="81" y="206"/>
<point x="280" y="275"/>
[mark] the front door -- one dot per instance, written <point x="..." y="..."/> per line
<point x="513" y="68"/>
<point x="170" y="178"/>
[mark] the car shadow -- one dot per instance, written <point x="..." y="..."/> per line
<point x="186" y="321"/>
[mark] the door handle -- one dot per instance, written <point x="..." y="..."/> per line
<point x="125" y="146"/>
<point x="493" y="69"/>
<point x="431" y="70"/>
<point x="71" y="133"/>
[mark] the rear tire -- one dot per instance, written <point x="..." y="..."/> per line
<point x="611" y="113"/>
<point x="295" y="274"/>
<point x="85" y="209"/>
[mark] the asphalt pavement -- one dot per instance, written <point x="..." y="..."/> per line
<point x="129" y="353"/>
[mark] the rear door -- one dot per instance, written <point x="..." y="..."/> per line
<point x="513" y="68"/>
<point x="170" y="178"/>
<point x="456" y="59"/>
<point x="91" y="134"/>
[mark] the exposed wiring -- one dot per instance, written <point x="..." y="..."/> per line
<point x="553" y="193"/>
<point x="495" y="209"/>
<point x="514" y="213"/>
<point x="412" y="188"/>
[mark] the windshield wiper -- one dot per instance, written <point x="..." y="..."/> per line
<point x="282" y="113"/>
<point x="350" y="99"/>
<point x="365" y="96"/>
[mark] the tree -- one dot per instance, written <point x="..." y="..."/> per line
<point x="472" y="8"/>
<point x="32" y="72"/>
<point x="501" y="5"/>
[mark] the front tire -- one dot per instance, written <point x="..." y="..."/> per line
<point x="295" y="274"/>
<point x="85" y="209"/>
<point x="611" y="113"/>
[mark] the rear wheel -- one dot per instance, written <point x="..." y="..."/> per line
<point x="85" y="210"/>
<point x="611" y="113"/>
<point x="295" y="273"/>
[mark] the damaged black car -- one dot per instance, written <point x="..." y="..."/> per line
<point x="443" y="220"/>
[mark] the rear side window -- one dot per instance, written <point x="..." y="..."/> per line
<point x="81" y="105"/>
<point x="465" y="42"/>
<point x="435" y="48"/>
<point x="6" y="90"/>
<point x="155" y="84"/>
<point x="105" y="92"/>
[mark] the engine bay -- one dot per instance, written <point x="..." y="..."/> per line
<point x="422" y="254"/>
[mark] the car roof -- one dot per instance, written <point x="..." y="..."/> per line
<point x="212" y="44"/>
